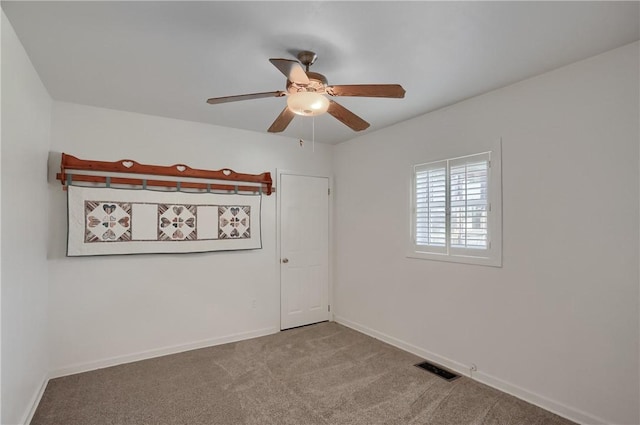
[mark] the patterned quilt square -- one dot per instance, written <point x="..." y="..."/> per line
<point x="107" y="221"/>
<point x="177" y="222"/>
<point x="234" y="222"/>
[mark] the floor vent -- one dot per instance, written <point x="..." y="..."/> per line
<point x="438" y="371"/>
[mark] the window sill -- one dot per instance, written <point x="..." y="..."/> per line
<point x="463" y="259"/>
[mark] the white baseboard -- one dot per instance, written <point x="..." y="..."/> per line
<point x="556" y="407"/>
<point x="149" y="354"/>
<point x="35" y="401"/>
<point x="443" y="361"/>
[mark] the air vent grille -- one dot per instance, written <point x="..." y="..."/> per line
<point x="438" y="371"/>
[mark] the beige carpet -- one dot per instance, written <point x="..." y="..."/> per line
<point x="320" y="374"/>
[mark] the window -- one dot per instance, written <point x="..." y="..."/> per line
<point x="456" y="210"/>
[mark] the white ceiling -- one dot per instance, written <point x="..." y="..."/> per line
<point x="167" y="58"/>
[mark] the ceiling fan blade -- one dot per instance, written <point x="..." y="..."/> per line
<point x="216" y="100"/>
<point x="367" y="90"/>
<point x="292" y="70"/>
<point x="347" y="117"/>
<point x="282" y="121"/>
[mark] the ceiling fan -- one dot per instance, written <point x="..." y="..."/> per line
<point x="306" y="92"/>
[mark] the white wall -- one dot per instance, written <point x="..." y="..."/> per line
<point x="26" y="121"/>
<point x="558" y="323"/>
<point x="105" y="310"/>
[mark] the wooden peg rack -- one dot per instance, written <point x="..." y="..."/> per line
<point x="71" y="171"/>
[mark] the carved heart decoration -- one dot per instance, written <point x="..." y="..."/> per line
<point x="177" y="210"/>
<point x="124" y="221"/>
<point x="181" y="168"/>
<point x="109" y="208"/>
<point x="164" y="222"/>
<point x="234" y="233"/>
<point x="127" y="164"/>
<point x="191" y="222"/>
<point x="109" y="234"/>
<point x="177" y="234"/>
<point x="235" y="210"/>
<point x="93" y="222"/>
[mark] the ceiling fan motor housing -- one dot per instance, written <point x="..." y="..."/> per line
<point x="317" y="84"/>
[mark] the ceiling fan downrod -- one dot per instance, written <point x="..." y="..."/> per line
<point x="307" y="58"/>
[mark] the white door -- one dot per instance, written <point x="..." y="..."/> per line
<point x="304" y="250"/>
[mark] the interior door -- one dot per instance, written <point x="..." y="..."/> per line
<point x="304" y="250"/>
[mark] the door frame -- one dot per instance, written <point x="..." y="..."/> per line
<point x="279" y="174"/>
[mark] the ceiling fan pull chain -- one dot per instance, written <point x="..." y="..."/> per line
<point x="313" y="134"/>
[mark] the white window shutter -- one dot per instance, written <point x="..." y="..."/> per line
<point x="469" y="202"/>
<point x="430" y="217"/>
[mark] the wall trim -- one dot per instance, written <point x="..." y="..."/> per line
<point x="553" y="406"/>
<point x="158" y="352"/>
<point x="35" y="401"/>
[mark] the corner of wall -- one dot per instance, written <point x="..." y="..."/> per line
<point x="26" y="138"/>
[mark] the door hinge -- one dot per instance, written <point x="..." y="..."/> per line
<point x="328" y="307"/>
<point x="329" y="191"/>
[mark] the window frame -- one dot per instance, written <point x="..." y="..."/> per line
<point x="491" y="256"/>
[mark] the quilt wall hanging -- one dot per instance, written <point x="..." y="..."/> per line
<point x="129" y="220"/>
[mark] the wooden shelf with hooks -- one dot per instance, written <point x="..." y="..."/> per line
<point x="71" y="169"/>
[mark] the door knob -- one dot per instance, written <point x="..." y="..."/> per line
<point x="285" y="260"/>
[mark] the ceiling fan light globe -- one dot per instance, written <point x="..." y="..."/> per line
<point x="308" y="104"/>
